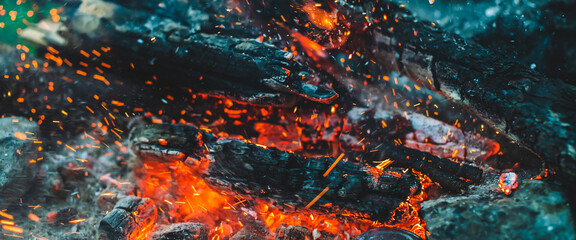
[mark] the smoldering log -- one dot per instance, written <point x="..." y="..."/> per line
<point x="530" y="108"/>
<point x="284" y="232"/>
<point x="236" y="66"/>
<point x="248" y="233"/>
<point x="285" y="177"/>
<point x="181" y="231"/>
<point x="130" y="216"/>
<point x="257" y="171"/>
<point x="452" y="176"/>
<point x="185" y="141"/>
<point x="380" y="144"/>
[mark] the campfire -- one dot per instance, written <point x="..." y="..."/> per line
<point x="272" y="120"/>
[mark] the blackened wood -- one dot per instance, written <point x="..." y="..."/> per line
<point x="284" y="232"/>
<point x="380" y="144"/>
<point x="234" y="66"/>
<point x="252" y="170"/>
<point x="533" y="109"/>
<point x="247" y="168"/>
<point x="248" y="233"/>
<point x="530" y="108"/>
<point x="130" y="216"/>
<point x="452" y="176"/>
<point x="181" y="231"/>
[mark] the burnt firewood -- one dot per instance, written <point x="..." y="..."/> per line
<point x="452" y="176"/>
<point x="292" y="233"/>
<point x="181" y="231"/>
<point x="248" y="233"/>
<point x="381" y="143"/>
<point x="130" y="217"/>
<point x="530" y="108"/>
<point x="235" y="66"/>
<point x="251" y="170"/>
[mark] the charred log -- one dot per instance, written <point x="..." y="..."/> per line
<point x="292" y="233"/>
<point x="382" y="143"/>
<point x="181" y="231"/>
<point x="130" y="216"/>
<point x="256" y="171"/>
<point x="248" y="233"/>
<point x="452" y="176"/>
<point x="529" y="107"/>
<point x="235" y="66"/>
<point x="533" y="109"/>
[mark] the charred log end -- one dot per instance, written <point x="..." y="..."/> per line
<point x="181" y="231"/>
<point x="132" y="217"/>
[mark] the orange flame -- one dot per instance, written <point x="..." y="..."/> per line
<point x="319" y="17"/>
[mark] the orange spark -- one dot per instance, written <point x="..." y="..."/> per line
<point x="317" y="197"/>
<point x="333" y="165"/>
<point x="12" y="229"/>
<point x="19" y="135"/>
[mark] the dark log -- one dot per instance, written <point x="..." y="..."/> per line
<point x="235" y="66"/>
<point x="534" y="110"/>
<point x="530" y="108"/>
<point x="181" y="231"/>
<point x="380" y="145"/>
<point x="292" y="233"/>
<point x="452" y="176"/>
<point x="257" y="171"/>
<point x="131" y="216"/>
<point x="285" y="177"/>
<point x="248" y="233"/>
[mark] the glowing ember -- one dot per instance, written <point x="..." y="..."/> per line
<point x="320" y="18"/>
<point x="507" y="182"/>
<point x="182" y="195"/>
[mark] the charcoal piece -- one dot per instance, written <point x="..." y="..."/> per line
<point x="285" y="177"/>
<point x="181" y="141"/>
<point x="248" y="233"/>
<point x="130" y="216"/>
<point x="292" y="233"/>
<point x="18" y="157"/>
<point x="181" y="231"/>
